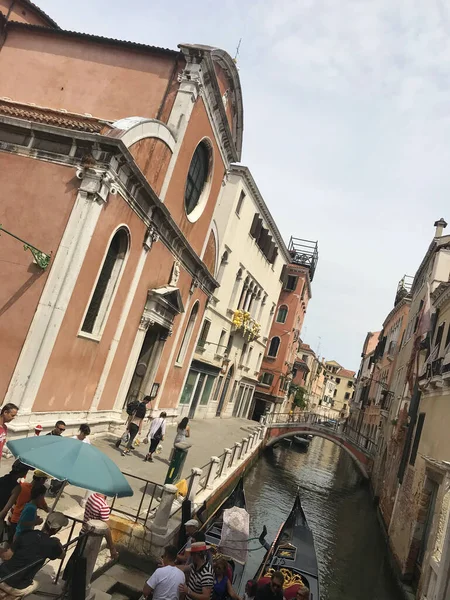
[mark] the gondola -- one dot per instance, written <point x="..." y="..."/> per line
<point x="213" y="529"/>
<point x="293" y="553"/>
<point x="302" y="441"/>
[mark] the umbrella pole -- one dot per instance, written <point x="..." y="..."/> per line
<point x="58" y="496"/>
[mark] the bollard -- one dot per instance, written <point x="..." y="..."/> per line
<point x="226" y="462"/>
<point x="252" y="441"/>
<point x="215" y="460"/>
<point x="243" y="447"/>
<point x="97" y="531"/>
<point x="159" y="523"/>
<point x="196" y="475"/>
<point x="236" y="452"/>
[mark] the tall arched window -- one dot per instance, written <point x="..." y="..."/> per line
<point x="274" y="347"/>
<point x="106" y="285"/>
<point x="197" y="177"/>
<point x="187" y="334"/>
<point x="282" y="314"/>
<point x="223" y="264"/>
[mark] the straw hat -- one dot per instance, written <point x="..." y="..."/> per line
<point x="199" y="547"/>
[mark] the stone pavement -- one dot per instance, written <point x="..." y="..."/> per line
<point x="209" y="437"/>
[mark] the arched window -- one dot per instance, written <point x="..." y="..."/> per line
<point x="197" y="177"/>
<point x="274" y="347"/>
<point x="106" y="285"/>
<point x="223" y="264"/>
<point x="282" y="314"/>
<point x="187" y="334"/>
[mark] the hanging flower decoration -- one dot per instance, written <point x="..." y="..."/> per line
<point x="243" y="320"/>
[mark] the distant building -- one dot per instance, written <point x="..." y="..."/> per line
<point x="338" y="393"/>
<point x="278" y="367"/>
<point x="363" y="380"/>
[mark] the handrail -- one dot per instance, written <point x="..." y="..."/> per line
<point x="326" y="424"/>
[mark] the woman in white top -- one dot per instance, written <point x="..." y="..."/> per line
<point x="183" y="431"/>
<point x="83" y="433"/>
<point x="155" y="434"/>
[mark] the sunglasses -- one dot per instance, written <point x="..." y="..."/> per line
<point x="61" y="429"/>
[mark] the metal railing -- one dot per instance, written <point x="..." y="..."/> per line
<point x="150" y="494"/>
<point x="325" y="424"/>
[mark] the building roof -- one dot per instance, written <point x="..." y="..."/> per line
<point x="346" y="373"/>
<point x="51" y="116"/>
<point x="35" y="8"/>
<point x="95" y="38"/>
<point x="306" y="347"/>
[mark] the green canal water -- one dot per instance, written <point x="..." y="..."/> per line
<point x="350" y="546"/>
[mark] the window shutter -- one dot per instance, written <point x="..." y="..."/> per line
<point x="254" y="228"/>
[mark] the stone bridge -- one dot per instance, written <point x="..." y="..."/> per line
<point x="359" y="447"/>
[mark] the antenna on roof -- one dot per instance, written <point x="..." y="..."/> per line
<point x="237" y="50"/>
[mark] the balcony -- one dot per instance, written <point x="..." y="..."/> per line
<point x="244" y="323"/>
<point x="304" y="253"/>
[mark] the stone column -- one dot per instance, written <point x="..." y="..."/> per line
<point x="196" y="474"/>
<point x="97" y="531"/>
<point x="226" y="464"/>
<point x="236" y="453"/>
<point x="215" y="460"/>
<point x="159" y="524"/>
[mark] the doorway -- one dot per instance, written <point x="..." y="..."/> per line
<point x="224" y="391"/>
<point x="196" y="396"/>
<point x="147" y="364"/>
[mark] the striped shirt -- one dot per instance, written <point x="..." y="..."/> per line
<point x="96" y="509"/>
<point x="203" y="578"/>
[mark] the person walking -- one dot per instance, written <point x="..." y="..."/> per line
<point x="7" y="414"/>
<point x="29" y="517"/>
<point x="155" y="434"/>
<point x="134" y="425"/>
<point x="165" y="582"/>
<point x="201" y="579"/>
<point x="39" y="479"/>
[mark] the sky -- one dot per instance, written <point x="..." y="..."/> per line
<point x="346" y="131"/>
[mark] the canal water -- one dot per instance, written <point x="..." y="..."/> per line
<point x="350" y="547"/>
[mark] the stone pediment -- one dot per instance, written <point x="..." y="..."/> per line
<point x="170" y="296"/>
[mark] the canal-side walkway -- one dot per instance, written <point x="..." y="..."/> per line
<point x="209" y="437"/>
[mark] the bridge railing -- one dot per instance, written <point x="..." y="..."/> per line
<point x="332" y="425"/>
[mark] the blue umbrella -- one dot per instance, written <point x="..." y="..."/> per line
<point x="71" y="460"/>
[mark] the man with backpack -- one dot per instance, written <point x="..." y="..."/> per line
<point x="155" y="434"/>
<point x="136" y="411"/>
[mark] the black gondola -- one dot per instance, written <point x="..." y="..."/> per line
<point x="293" y="553"/>
<point x="212" y="528"/>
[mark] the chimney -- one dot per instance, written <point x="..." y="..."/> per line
<point x="440" y="226"/>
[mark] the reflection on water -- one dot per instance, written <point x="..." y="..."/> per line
<point x="350" y="548"/>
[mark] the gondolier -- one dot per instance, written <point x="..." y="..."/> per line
<point x="201" y="579"/>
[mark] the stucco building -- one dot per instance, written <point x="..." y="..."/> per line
<point x="338" y="392"/>
<point x="362" y="383"/>
<point x="113" y="186"/>
<point x="230" y="348"/>
<point x="279" y="361"/>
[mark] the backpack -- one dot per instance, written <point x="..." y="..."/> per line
<point x="141" y="410"/>
<point x="132" y="407"/>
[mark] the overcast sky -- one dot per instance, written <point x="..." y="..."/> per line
<point x="346" y="130"/>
